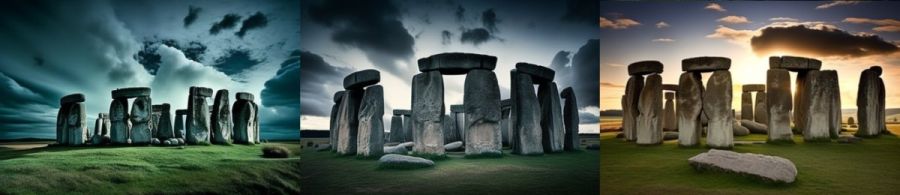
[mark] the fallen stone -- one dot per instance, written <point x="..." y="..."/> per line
<point x="454" y="146"/>
<point x="755" y="127"/>
<point x="705" y="64"/>
<point x="793" y="63"/>
<point x="131" y="92"/>
<point x="395" y="150"/>
<point x="361" y="79"/>
<point x="690" y="105"/>
<point x="457" y="63"/>
<point x="670" y="136"/>
<point x="740" y="130"/>
<point x="645" y="68"/>
<point x="769" y="168"/>
<point x="396" y="161"/>
<point x="539" y="74"/>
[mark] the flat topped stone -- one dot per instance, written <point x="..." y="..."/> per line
<point x="567" y="93"/>
<point x="770" y="168"/>
<point x="103" y="115"/>
<point x="457" y="63"/>
<point x="670" y="95"/>
<point x="362" y="78"/>
<point x="505" y="103"/>
<point x="705" y="64"/>
<point x="402" y="112"/>
<point x="753" y="87"/>
<point x="249" y="96"/>
<point x="131" y="92"/>
<point x="457" y="108"/>
<point x="181" y="112"/>
<point x="794" y="63"/>
<point x="645" y="67"/>
<point x="160" y="107"/>
<point x="71" y="98"/>
<point x="337" y="96"/>
<point x="539" y="74"/>
<point x="201" y="91"/>
<point x="670" y="87"/>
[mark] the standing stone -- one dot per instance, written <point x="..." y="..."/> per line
<point x="717" y="104"/>
<point x="649" y="123"/>
<point x="164" y="129"/>
<point x="632" y="96"/>
<point x="670" y="123"/>
<point x="833" y="98"/>
<point x="449" y="128"/>
<point x="179" y="123"/>
<point x="66" y="104"/>
<point x="76" y="129"/>
<point x="571" y="120"/>
<point x="459" y="134"/>
<point x="244" y="117"/>
<point x="140" y="121"/>
<point x="778" y="101"/>
<point x="747" y="105"/>
<point x="760" y="115"/>
<point x="551" y="118"/>
<point x="427" y="113"/>
<point x="118" y="117"/>
<point x="333" y="123"/>
<point x="101" y="129"/>
<point x="851" y="122"/>
<point x="818" y="109"/>
<point x="154" y="120"/>
<point x="800" y="102"/>
<point x="525" y="116"/>
<point x="222" y="126"/>
<point x="370" y="138"/>
<point x="690" y="103"/>
<point x="483" y="136"/>
<point x="396" y="129"/>
<point x="198" y="116"/>
<point x="407" y="127"/>
<point x="505" y="108"/>
<point x="867" y="104"/>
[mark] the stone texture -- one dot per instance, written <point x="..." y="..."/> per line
<point x="221" y="125"/>
<point x="649" y="123"/>
<point x="140" y="121"/>
<point x="483" y="114"/>
<point x="449" y="129"/>
<point x="571" y="120"/>
<point x="164" y="129"/>
<point x="690" y="104"/>
<point x="396" y="129"/>
<point x="245" y="117"/>
<point x="370" y="137"/>
<point x="818" y="109"/>
<point x="179" y="123"/>
<point x="71" y="98"/>
<point x="539" y="74"/>
<point x="553" y="130"/>
<point x="427" y="113"/>
<point x="197" y="123"/>
<point x="454" y="146"/>
<point x="249" y="96"/>
<point x="771" y="168"/>
<point x="75" y="126"/>
<point x="755" y="127"/>
<point x="760" y="115"/>
<point x="333" y="123"/>
<point x="630" y="111"/>
<point x="793" y="63"/>
<point x="361" y="79"/>
<point x="645" y="68"/>
<point x="101" y="129"/>
<point x="349" y="121"/>
<point x="402" y="112"/>
<point x="739" y="130"/>
<point x="717" y="105"/>
<point x="670" y="136"/>
<point x="833" y="91"/>
<point x="457" y="63"/>
<point x="407" y="128"/>
<point x="753" y="87"/>
<point x="867" y="103"/>
<point x="118" y="117"/>
<point x="504" y="123"/>
<point x="396" y="160"/>
<point x="525" y="116"/>
<point x="131" y="92"/>
<point x="747" y="105"/>
<point x="801" y="103"/>
<point x="670" y="121"/>
<point x="778" y="101"/>
<point x="670" y="87"/>
<point x="705" y="64"/>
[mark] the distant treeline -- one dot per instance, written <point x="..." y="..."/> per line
<point x="611" y="113"/>
<point x="314" y="133"/>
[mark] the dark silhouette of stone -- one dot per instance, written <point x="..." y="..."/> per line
<point x="427" y="113"/>
<point x="760" y="115"/>
<point x="361" y="79"/>
<point x="754" y="127"/>
<point x="670" y="122"/>
<point x="539" y="74"/>
<point x="778" y="100"/>
<point x="793" y="63"/>
<point x="717" y="104"/>
<point x="869" y="94"/>
<point x="457" y="63"/>
<point x="645" y="68"/>
<point x="571" y="120"/>
<point x="222" y="126"/>
<point x="649" y="123"/>
<point x="772" y="168"/>
<point x="164" y="129"/>
<point x="632" y="96"/>
<point x="245" y="117"/>
<point x="370" y="137"/>
<point x="753" y="87"/>
<point x="131" y="92"/>
<point x="690" y="104"/>
<point x="179" y="123"/>
<point x="396" y="129"/>
<point x="553" y="130"/>
<point x="525" y="115"/>
<point x="705" y="64"/>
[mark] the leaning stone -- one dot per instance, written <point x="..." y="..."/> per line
<point x="571" y="119"/>
<point x="197" y="123"/>
<point x="71" y="98"/>
<point x="753" y="87"/>
<point x="717" y="104"/>
<point x="690" y="105"/>
<point x="793" y="63"/>
<point x="118" y="117"/>
<point x="370" y="137"/>
<point x="140" y="121"/>
<point x="755" y="127"/>
<point x="670" y="121"/>
<point x="539" y="74"/>
<point x="645" y="68"/>
<point x="361" y="79"/>
<point x="428" y="112"/>
<point x="454" y="146"/>
<point x="769" y="168"/>
<point x="525" y="116"/>
<point x="818" y="109"/>
<point x="705" y="64"/>
<point x="553" y="130"/>
<point x="396" y="161"/>
<point x="746" y="105"/>
<point x="630" y="111"/>
<point x="649" y="123"/>
<point x="760" y="115"/>
<point x="778" y="100"/>
<point x="457" y="63"/>
<point x="131" y="92"/>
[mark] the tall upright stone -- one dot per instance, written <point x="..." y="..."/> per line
<point x="245" y="117"/>
<point x="833" y="98"/>
<point x="867" y="103"/>
<point x="198" y="116"/>
<point x="118" y="117"/>
<point x="746" y="105"/>
<point x="334" y="122"/>
<point x="179" y="123"/>
<point x="407" y="127"/>
<point x="71" y="127"/>
<point x="760" y="115"/>
<point x="459" y="119"/>
<point x="670" y="122"/>
<point x="819" y="109"/>
<point x="526" y="116"/>
<point x="140" y="121"/>
<point x="690" y="104"/>
<point x="101" y="129"/>
<point x="571" y="120"/>
<point x="222" y="126"/>
<point x="717" y="104"/>
<point x="427" y="113"/>
<point x="649" y="123"/>
<point x="370" y="137"/>
<point x="164" y="129"/>
<point x="551" y="118"/>
<point x="449" y="128"/>
<point x="505" y="108"/>
<point x="396" y="129"/>
<point x="779" y="105"/>
<point x="800" y="65"/>
<point x="483" y="136"/>
<point x="632" y="96"/>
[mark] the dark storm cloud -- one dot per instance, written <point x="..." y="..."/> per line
<point x="316" y="78"/>
<point x="446" y="37"/>
<point x="476" y="36"/>
<point x="489" y="20"/>
<point x="372" y="26"/>
<point x="255" y="21"/>
<point x="582" y="11"/>
<point x="280" y="93"/>
<point x="560" y="60"/>
<point x="192" y="15"/>
<point x="460" y="13"/>
<point x="823" y="41"/>
<point x="586" y="67"/>
<point x="228" y="21"/>
<point x="236" y="61"/>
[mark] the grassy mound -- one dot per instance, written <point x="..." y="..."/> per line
<point x="271" y="151"/>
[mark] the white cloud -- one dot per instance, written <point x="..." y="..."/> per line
<point x="665" y="40"/>
<point x="715" y="6"/>
<point x="836" y="3"/>
<point x="662" y="24"/>
<point x="740" y="37"/>
<point x="882" y="25"/>
<point x="783" y="19"/>
<point x="177" y="74"/>
<point x="734" y="20"/>
<point x="620" y="23"/>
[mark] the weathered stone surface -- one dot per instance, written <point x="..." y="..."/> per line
<point x="755" y="127"/>
<point x="140" y="121"/>
<point x="179" y="123"/>
<point x="670" y="136"/>
<point x="746" y="105"/>
<point x="539" y="74"/>
<point x="801" y="103"/>
<point x="739" y="130"/>
<point x="349" y="121"/>
<point x="571" y="120"/>
<point x="818" y="109"/>
<point x="793" y="63"/>
<point x="407" y="128"/>
<point x="101" y="129"/>
<point x="249" y="96"/>
<point x="867" y="103"/>
<point x="717" y="105"/>
<point x="833" y="93"/>
<point x="760" y="115"/>
<point x="395" y="150"/>
<point x="770" y="168"/>
<point x="361" y="79"/>
<point x="705" y="64"/>
<point x="333" y="123"/>
<point x="402" y="112"/>
<point x="670" y="87"/>
<point x="154" y="122"/>
<point x="553" y="130"/>
<point x="753" y="87"/>
<point x="649" y="123"/>
<point x="427" y="113"/>
<point x="454" y="146"/>
<point x="504" y="123"/>
<point x="778" y="101"/>
<point x="403" y="161"/>
<point x="483" y="114"/>
<point x="197" y="123"/>
<point x="670" y="121"/>
<point x="164" y="129"/>
<point x="645" y="68"/>
<point x="370" y="137"/>
<point x="525" y="116"/>
<point x="449" y="128"/>
<point x="76" y="128"/>
<point x="632" y="96"/>
<point x="71" y="98"/>
<point x="118" y="117"/>
<point x="457" y="63"/>
<point x="131" y="92"/>
<point x="396" y="129"/>
<point x="222" y="126"/>
<point x="689" y="107"/>
<point x="407" y="145"/>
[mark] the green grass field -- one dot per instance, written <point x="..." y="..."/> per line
<point x="560" y="173"/>
<point x="235" y="169"/>
<point x="869" y="167"/>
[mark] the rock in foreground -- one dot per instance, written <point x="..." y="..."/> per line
<point x="396" y="161"/>
<point x="771" y="168"/>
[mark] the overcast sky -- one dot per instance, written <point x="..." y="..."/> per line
<point x="847" y="36"/>
<point x="340" y="37"/>
<point x="49" y="49"/>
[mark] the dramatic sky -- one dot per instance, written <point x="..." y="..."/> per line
<point x="49" y="49"/>
<point x="847" y="36"/>
<point x="340" y="37"/>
